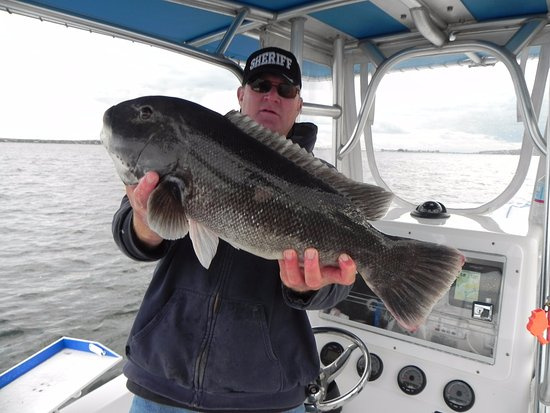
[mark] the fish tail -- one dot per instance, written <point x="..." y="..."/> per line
<point x="413" y="279"/>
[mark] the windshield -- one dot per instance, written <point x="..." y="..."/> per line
<point x="452" y="131"/>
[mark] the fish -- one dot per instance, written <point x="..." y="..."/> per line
<point x="227" y="177"/>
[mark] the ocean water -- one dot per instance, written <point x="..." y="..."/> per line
<point x="61" y="273"/>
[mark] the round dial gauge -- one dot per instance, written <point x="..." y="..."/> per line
<point x="330" y="352"/>
<point x="458" y="395"/>
<point x="411" y="380"/>
<point x="376" y="366"/>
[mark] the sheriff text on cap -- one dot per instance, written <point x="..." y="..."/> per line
<point x="275" y="61"/>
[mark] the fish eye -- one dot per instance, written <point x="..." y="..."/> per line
<point x="145" y="112"/>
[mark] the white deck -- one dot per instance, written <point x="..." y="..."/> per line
<point x="54" y="375"/>
<point x="112" y="397"/>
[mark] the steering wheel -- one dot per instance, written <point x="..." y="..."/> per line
<point x="317" y="391"/>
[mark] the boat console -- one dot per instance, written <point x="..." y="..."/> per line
<point x="473" y="349"/>
<point x="473" y="353"/>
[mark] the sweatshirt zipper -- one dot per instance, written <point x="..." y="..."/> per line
<point x="200" y="364"/>
<point x="203" y="356"/>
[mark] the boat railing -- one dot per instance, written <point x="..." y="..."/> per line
<point x="528" y="109"/>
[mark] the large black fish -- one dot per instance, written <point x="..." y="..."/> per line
<point x="230" y="178"/>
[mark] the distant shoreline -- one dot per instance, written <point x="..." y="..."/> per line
<point x="74" y="141"/>
<point x="494" y="152"/>
<point x="98" y="142"/>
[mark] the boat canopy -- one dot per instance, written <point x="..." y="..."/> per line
<point x="223" y="32"/>
<point x="339" y="40"/>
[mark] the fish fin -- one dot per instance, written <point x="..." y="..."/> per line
<point x="166" y="209"/>
<point x="413" y="279"/>
<point x="205" y="242"/>
<point x="371" y="200"/>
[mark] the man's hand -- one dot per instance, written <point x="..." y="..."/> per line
<point x="312" y="276"/>
<point x="138" y="195"/>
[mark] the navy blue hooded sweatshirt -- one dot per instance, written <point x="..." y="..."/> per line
<point x="228" y="338"/>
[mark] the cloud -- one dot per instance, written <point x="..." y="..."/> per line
<point x="61" y="80"/>
<point x="58" y="81"/>
<point x="389" y="128"/>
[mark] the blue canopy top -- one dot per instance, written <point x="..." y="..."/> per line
<point x="199" y="26"/>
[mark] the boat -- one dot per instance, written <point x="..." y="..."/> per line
<point x="483" y="347"/>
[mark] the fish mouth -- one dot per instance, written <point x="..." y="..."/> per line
<point x="125" y="171"/>
<point x="106" y="131"/>
<point x="130" y="161"/>
<point x="128" y="170"/>
<point x="131" y="173"/>
<point x="136" y="171"/>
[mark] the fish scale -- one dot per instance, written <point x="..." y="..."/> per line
<point x="283" y="206"/>
<point x="228" y="177"/>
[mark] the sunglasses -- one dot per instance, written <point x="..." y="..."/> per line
<point x="285" y="90"/>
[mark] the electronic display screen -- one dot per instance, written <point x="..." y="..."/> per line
<point x="467" y="286"/>
<point x="477" y="282"/>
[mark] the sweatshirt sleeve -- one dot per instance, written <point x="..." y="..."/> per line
<point x="126" y="239"/>
<point x="322" y="299"/>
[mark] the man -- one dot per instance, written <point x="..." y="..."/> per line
<point x="234" y="337"/>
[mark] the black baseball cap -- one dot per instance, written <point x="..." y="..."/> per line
<point x="275" y="61"/>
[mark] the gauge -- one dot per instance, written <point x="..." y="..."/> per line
<point x="376" y="366"/>
<point x="330" y="352"/>
<point x="411" y="380"/>
<point x="458" y="395"/>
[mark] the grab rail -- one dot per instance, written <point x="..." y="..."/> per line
<point x="522" y="92"/>
<point x="453" y="48"/>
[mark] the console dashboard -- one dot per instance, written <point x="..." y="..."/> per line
<point x="472" y="354"/>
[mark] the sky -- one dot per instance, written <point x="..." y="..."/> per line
<point x="57" y="82"/>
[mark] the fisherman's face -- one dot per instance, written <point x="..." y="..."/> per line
<point x="270" y="109"/>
